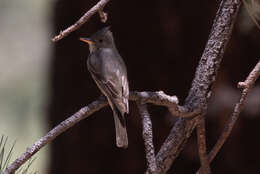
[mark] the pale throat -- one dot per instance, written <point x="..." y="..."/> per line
<point x="91" y="47"/>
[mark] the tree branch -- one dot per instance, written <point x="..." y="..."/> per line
<point x="148" y="137"/>
<point x="195" y="104"/>
<point x="51" y="135"/>
<point x="174" y="144"/>
<point x="201" y="136"/>
<point x="97" y="8"/>
<point x="247" y="86"/>
<point x="103" y="15"/>
<point x="201" y="86"/>
<point x="157" y="98"/>
<point x="250" y="80"/>
<point x="161" y="99"/>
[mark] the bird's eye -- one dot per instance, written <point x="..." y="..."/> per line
<point x="100" y="40"/>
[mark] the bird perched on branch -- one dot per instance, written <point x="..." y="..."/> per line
<point x="108" y="70"/>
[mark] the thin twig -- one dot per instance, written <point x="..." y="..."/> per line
<point x="103" y="15"/>
<point x="97" y="8"/>
<point x="148" y="137"/>
<point x="204" y="78"/>
<point x="252" y="77"/>
<point x="247" y="86"/>
<point x="201" y="136"/>
<point x="157" y="98"/>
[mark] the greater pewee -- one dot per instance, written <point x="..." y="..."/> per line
<point x="108" y="70"/>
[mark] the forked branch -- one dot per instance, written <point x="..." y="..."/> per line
<point x="157" y="98"/>
<point x="204" y="79"/>
<point x="247" y="86"/>
<point x="97" y="8"/>
<point x="195" y="104"/>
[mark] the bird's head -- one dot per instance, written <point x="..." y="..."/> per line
<point x="101" y="39"/>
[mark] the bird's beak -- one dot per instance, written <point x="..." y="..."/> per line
<point x="88" y="40"/>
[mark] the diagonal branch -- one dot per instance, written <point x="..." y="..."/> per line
<point x="201" y="86"/>
<point x="250" y="80"/>
<point x="174" y="144"/>
<point x="51" y="135"/>
<point x="247" y="86"/>
<point x="196" y="102"/>
<point x="97" y="8"/>
<point x="148" y="137"/>
<point x="157" y="98"/>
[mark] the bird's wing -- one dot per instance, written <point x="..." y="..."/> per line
<point x="115" y="88"/>
<point x="125" y="92"/>
<point x="107" y="85"/>
<point x="108" y="88"/>
<point x="120" y="91"/>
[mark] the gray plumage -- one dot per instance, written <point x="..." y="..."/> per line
<point x="108" y="70"/>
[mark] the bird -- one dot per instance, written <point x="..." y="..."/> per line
<point x="109" y="72"/>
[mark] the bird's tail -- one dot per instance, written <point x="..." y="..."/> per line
<point x="120" y="125"/>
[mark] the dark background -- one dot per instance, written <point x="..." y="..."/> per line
<point x="161" y="43"/>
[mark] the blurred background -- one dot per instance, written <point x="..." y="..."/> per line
<point x="42" y="83"/>
<point x="25" y="50"/>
